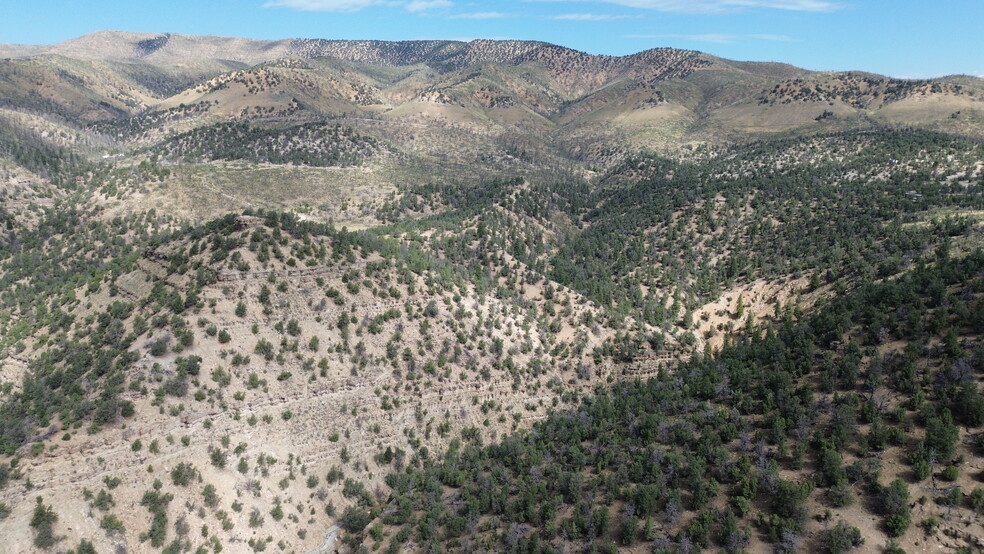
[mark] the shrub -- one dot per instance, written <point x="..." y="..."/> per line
<point x="42" y="521"/>
<point x="841" y="495"/>
<point x="158" y="347"/>
<point x="976" y="500"/>
<point x="183" y="473"/>
<point x="942" y="435"/>
<point x="354" y="519"/>
<point x="843" y="538"/>
<point x="188" y="365"/>
<point x="921" y="470"/>
<point x="104" y="501"/>
<point x="211" y="498"/>
<point x="255" y="518"/>
<point x="950" y="473"/>
<point x="894" y="505"/>
<point x="156" y="503"/>
<point x="219" y="458"/>
<point x="893" y="548"/>
<point x="112" y="525"/>
<point x="264" y="348"/>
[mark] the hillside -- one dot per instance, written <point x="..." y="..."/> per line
<point x="839" y="431"/>
<point x="317" y="295"/>
<point x="561" y="104"/>
<point x="259" y="365"/>
<point x="289" y="347"/>
<point x="421" y="111"/>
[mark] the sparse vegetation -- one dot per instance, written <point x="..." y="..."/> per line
<point x="487" y="338"/>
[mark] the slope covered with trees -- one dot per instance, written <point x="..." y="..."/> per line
<point x="313" y="144"/>
<point x="267" y="338"/>
<point x="496" y="296"/>
<point x="790" y="435"/>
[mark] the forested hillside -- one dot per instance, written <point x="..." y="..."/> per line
<point x="791" y="436"/>
<point x="316" y="145"/>
<point x="390" y="366"/>
<point x="499" y="296"/>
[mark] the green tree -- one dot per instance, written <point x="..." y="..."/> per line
<point x="894" y="506"/>
<point x="942" y="435"/>
<point x="42" y="521"/>
<point x="843" y="538"/>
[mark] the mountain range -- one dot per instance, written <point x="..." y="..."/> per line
<point x="500" y="86"/>
<point x="316" y="295"/>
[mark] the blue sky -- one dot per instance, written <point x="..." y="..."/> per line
<point x="901" y="38"/>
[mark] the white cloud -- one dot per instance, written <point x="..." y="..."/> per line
<point x="413" y="6"/>
<point x="325" y="5"/>
<point x="424" y="5"/>
<point x="590" y="17"/>
<point x="717" y="38"/>
<point x="720" y="6"/>
<point x="480" y="15"/>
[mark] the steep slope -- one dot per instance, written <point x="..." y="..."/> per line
<point x="83" y="91"/>
<point x="295" y="349"/>
<point x="857" y="428"/>
<point x="675" y="243"/>
<point x="74" y="90"/>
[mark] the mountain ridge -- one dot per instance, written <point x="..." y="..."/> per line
<point x="127" y="45"/>
<point x="440" y="108"/>
<point x="102" y="44"/>
<point x="576" y="73"/>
